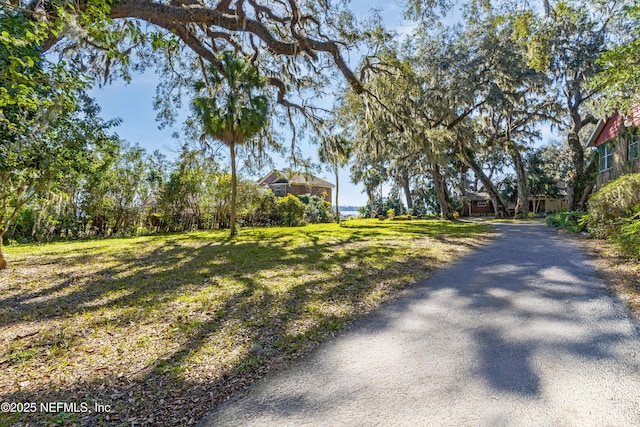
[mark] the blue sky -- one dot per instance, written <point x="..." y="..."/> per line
<point x="133" y="103"/>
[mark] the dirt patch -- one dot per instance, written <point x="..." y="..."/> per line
<point x="621" y="274"/>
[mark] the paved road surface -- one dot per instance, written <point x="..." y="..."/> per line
<point x="523" y="332"/>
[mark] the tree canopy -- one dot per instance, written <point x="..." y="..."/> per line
<point x="293" y="42"/>
<point x="423" y="112"/>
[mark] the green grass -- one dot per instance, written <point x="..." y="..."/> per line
<point x="190" y="318"/>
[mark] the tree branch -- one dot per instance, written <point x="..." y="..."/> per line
<point x="167" y="16"/>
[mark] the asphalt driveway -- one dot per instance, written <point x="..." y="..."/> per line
<point x="522" y="332"/>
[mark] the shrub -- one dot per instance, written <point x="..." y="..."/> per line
<point x="317" y="209"/>
<point x="391" y="213"/>
<point x="382" y="205"/>
<point x="575" y="222"/>
<point x="614" y="205"/>
<point x="262" y="209"/>
<point x="629" y="238"/>
<point x="290" y="210"/>
<point x="614" y="213"/>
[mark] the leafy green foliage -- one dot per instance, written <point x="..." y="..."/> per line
<point x="50" y="153"/>
<point x="195" y="192"/>
<point x="25" y="85"/>
<point x="619" y="78"/>
<point x="614" y="213"/>
<point x="290" y="210"/>
<point x="114" y="197"/>
<point x="383" y="205"/>
<point x="316" y="209"/>
<point x="615" y="204"/>
<point x="575" y="222"/>
<point x="233" y="110"/>
<point x="566" y="42"/>
<point x="629" y="238"/>
<point x="262" y="210"/>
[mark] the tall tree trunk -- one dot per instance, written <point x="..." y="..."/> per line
<point x="577" y="157"/>
<point x="407" y="189"/>
<point x="464" y="179"/>
<point x="5" y="227"/>
<point x="583" y="181"/>
<point x="234" y="185"/>
<point x="3" y="263"/>
<point x="446" y="210"/>
<point x="522" y="206"/>
<point x="3" y="231"/>
<point x="589" y="184"/>
<point x="371" y="194"/>
<point x="337" y="189"/>
<point x="499" y="207"/>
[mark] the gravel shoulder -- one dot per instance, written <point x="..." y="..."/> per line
<point x="522" y="332"/>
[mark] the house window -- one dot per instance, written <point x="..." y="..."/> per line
<point x="606" y="156"/>
<point x="280" y="189"/>
<point x="633" y="146"/>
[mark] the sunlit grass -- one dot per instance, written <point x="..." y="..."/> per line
<point x="167" y="315"/>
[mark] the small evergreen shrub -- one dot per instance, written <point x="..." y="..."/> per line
<point x="290" y="210"/>
<point x="615" y="205"/>
<point x="629" y="238"/>
<point x="317" y="210"/>
<point x="614" y="213"/>
<point x="575" y="222"/>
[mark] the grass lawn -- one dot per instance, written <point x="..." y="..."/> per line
<point x="162" y="328"/>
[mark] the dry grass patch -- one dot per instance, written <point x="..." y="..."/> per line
<point x="163" y="328"/>
<point x="621" y="273"/>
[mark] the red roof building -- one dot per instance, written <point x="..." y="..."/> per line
<point x="617" y="141"/>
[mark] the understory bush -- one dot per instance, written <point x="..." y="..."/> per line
<point x="614" y="213"/>
<point x="317" y="210"/>
<point x="290" y="210"/>
<point x="614" y="205"/>
<point x="629" y="238"/>
<point x="575" y="222"/>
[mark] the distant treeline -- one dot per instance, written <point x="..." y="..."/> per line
<point x="130" y="192"/>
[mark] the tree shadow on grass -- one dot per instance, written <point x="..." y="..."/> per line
<point x="265" y="323"/>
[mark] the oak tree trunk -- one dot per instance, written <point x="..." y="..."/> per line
<point x="407" y="189"/>
<point x="500" y="209"/>
<point x="577" y="157"/>
<point x="590" y="175"/>
<point x="371" y="195"/>
<point x="446" y="210"/>
<point x="522" y="206"/>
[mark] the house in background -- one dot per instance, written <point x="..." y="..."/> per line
<point x="476" y="204"/>
<point x="616" y="139"/>
<point x="480" y="204"/>
<point x="543" y="204"/>
<point x="283" y="182"/>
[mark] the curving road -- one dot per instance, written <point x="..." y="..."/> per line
<point x="522" y="332"/>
